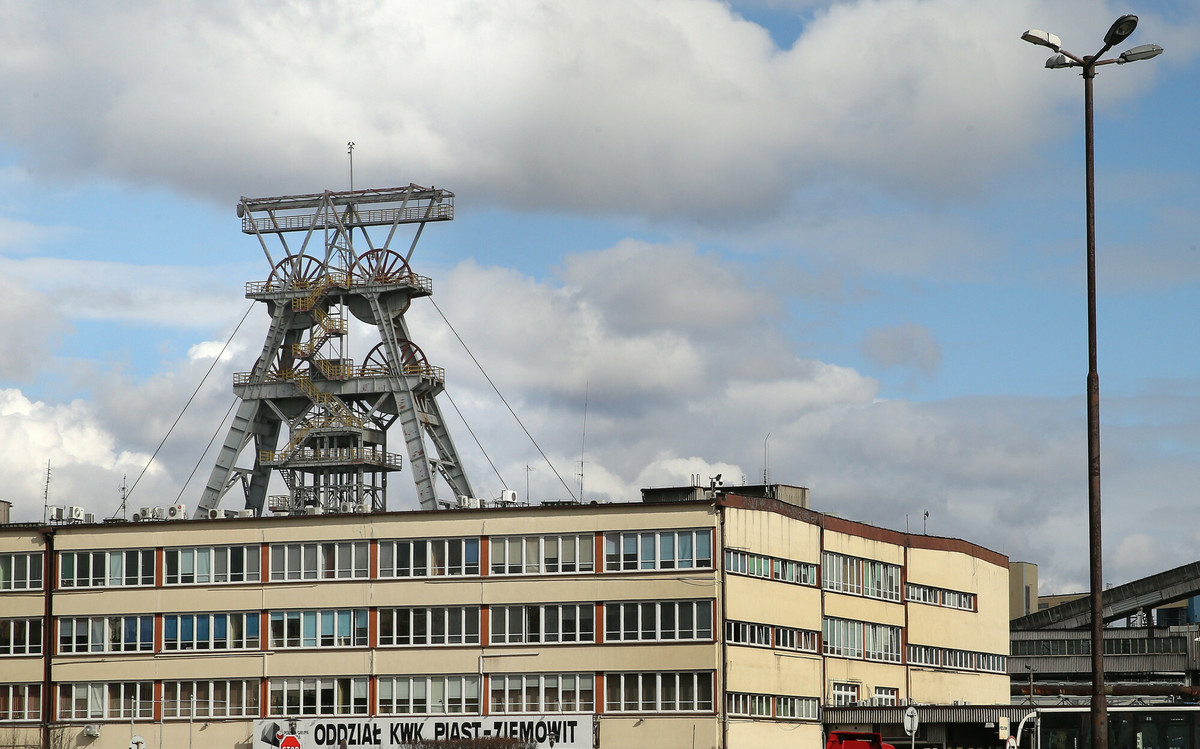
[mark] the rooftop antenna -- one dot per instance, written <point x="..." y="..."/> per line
<point x="528" y="469"/>
<point x="350" y="151"/>
<point x="583" y="441"/>
<point x="766" y="460"/>
<point x="925" y="524"/>
<point x="46" y="496"/>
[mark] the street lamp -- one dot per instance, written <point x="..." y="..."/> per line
<point x="1117" y="33"/>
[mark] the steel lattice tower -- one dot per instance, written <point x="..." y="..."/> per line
<point x="334" y="257"/>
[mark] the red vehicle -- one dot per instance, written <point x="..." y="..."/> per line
<point x="855" y="740"/>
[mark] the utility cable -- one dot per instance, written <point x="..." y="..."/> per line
<point x="189" y="401"/>
<point x="477" y="442"/>
<point x="503" y="400"/>
<point x="211" y="440"/>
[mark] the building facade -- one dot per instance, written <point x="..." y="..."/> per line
<point x="727" y="621"/>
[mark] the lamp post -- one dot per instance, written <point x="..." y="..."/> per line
<point x="1117" y="33"/>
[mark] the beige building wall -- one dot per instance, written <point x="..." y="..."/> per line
<point x="766" y="528"/>
<point x="1022" y="589"/>
<point x="986" y="628"/>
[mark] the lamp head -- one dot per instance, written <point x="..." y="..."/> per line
<point x="1120" y="30"/>
<point x="1142" y="52"/>
<point x="1043" y="38"/>
<point x="1059" y="61"/>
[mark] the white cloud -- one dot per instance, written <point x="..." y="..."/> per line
<point x="26" y="345"/>
<point x="169" y="296"/>
<point x="86" y="459"/>
<point x="908" y="345"/>
<point x="669" y="108"/>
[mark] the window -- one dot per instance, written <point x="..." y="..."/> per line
<point x="953" y="599"/>
<point x="20" y="637"/>
<point x="211" y="631"/>
<point x="106" y="569"/>
<point x="961" y="659"/>
<point x="429" y="557"/>
<point x="863" y="577"/>
<point x="215" y="564"/>
<point x="541" y="693"/>
<point x="887" y="696"/>
<point x="22" y="571"/>
<point x="322" y="628"/>
<point x="957" y="600"/>
<point x="842" y="637"/>
<point x="20" y="702"/>
<point x="851" y="639"/>
<point x="745" y="633"/>
<point x="221" y="698"/>
<point x="966" y="660"/>
<point x="428" y="695"/>
<point x="881" y="643"/>
<point x="97" y="700"/>
<point x="658" y="550"/>
<point x="568" y="622"/>
<point x="788" y="638"/>
<point x="658" y="620"/>
<point x="922" y="594"/>
<point x="642" y="692"/>
<point x="318" y="696"/>
<point x="438" y="625"/>
<point x="105" y="634"/>
<point x="796" y="708"/>
<point x="771" y="568"/>
<point x="924" y="655"/>
<point x="340" y="560"/>
<point x="996" y="664"/>
<point x="844" y="694"/>
<point x="542" y="555"/>
<point x="748" y="705"/>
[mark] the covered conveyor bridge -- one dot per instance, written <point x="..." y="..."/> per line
<point x="1119" y="602"/>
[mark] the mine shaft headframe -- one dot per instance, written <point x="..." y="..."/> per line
<point x="349" y="209"/>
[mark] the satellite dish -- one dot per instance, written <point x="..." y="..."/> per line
<point x="137" y="742"/>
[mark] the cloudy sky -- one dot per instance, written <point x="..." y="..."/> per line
<point x="856" y="227"/>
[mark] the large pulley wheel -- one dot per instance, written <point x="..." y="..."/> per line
<point x="412" y="359"/>
<point x="296" y="272"/>
<point x="380" y="266"/>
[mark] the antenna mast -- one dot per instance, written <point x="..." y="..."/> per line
<point x="766" y="461"/>
<point x="583" y="440"/>
<point x="46" y="496"/>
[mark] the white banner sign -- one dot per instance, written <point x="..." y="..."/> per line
<point x="558" y="731"/>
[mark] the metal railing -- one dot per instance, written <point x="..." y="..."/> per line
<point x="374" y="217"/>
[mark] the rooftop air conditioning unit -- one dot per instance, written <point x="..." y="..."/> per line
<point x="177" y="512"/>
<point x="314" y="510"/>
<point x="508" y="497"/>
<point x="215" y="514"/>
<point x="144" y="513"/>
<point x="56" y="513"/>
<point x="246" y="513"/>
<point x="362" y="507"/>
<point x="91" y="730"/>
<point x="89" y="517"/>
<point x="75" y="513"/>
<point x="346" y="507"/>
<point x="158" y="513"/>
<point x="232" y="513"/>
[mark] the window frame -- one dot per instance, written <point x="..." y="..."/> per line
<point x="658" y="550"/>
<point x="20" y="637"/>
<point x="220" y="563"/>
<point x="22" y="571"/>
